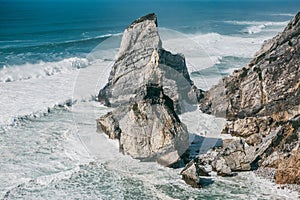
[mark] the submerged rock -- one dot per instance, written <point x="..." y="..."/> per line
<point x="148" y="86"/>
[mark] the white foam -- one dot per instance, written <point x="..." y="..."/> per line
<point x="47" y="179"/>
<point x="41" y="69"/>
<point x="206" y="50"/>
<point x="283" y="23"/>
<point x="255" y="27"/>
<point x="33" y="96"/>
<point x="202" y="124"/>
<point x="283" y="14"/>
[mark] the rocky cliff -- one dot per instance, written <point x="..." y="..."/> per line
<point x="262" y="103"/>
<point x="140" y="51"/>
<point x="148" y="86"/>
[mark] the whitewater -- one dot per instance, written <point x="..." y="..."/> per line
<point x="52" y="68"/>
<point x="49" y="142"/>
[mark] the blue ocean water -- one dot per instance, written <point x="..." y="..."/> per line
<point x="50" y="150"/>
<point x="52" y="30"/>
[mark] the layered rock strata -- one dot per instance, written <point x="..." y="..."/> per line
<point x="140" y="51"/>
<point x="262" y="103"/>
<point x="148" y="86"/>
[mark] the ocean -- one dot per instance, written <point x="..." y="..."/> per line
<point x="55" y="56"/>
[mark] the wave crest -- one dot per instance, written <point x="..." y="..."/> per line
<point x="41" y="69"/>
<point x="254" y="27"/>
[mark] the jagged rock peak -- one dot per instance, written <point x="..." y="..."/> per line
<point x="142" y="34"/>
<point x="151" y="17"/>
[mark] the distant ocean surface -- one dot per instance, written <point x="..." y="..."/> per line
<point x="56" y="55"/>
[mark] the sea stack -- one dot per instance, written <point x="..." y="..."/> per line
<point x="148" y="86"/>
<point x="262" y="103"/>
<point x="141" y="59"/>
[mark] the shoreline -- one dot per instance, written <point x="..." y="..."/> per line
<point x="269" y="174"/>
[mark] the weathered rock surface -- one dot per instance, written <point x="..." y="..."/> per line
<point x="140" y="56"/>
<point x="262" y="103"/>
<point x="267" y="86"/>
<point x="148" y="129"/>
<point x="289" y="170"/>
<point x="232" y="158"/>
<point x="190" y="175"/>
<point x="148" y="86"/>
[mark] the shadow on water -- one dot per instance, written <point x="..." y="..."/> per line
<point x="198" y="145"/>
<point x="205" y="182"/>
<point x="201" y="145"/>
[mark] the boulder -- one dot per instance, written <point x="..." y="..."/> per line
<point x="190" y="175"/>
<point x="148" y="128"/>
<point x="203" y="164"/>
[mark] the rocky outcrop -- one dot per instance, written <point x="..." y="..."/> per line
<point x="225" y="161"/>
<point x="262" y="103"/>
<point x="148" y="129"/>
<point x="148" y="86"/>
<point x="140" y="51"/>
<point x="267" y="86"/>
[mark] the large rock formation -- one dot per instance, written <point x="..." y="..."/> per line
<point x="148" y="86"/>
<point x="140" y="51"/>
<point x="148" y="129"/>
<point x="262" y="103"/>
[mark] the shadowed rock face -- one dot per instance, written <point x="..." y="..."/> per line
<point x="262" y="102"/>
<point x="148" y="86"/>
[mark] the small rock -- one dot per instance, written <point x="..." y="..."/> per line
<point x="190" y="175"/>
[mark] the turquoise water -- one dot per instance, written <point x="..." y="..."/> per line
<point x="49" y="30"/>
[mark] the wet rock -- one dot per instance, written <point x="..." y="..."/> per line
<point x="204" y="164"/>
<point x="190" y="175"/>
<point x="221" y="167"/>
<point x="236" y="156"/>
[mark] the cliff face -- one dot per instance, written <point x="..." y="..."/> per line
<point x="268" y="85"/>
<point x="262" y="103"/>
<point x="148" y="86"/>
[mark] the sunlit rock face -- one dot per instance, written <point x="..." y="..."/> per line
<point x="142" y="60"/>
<point x="148" y="86"/>
<point x="262" y="103"/>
